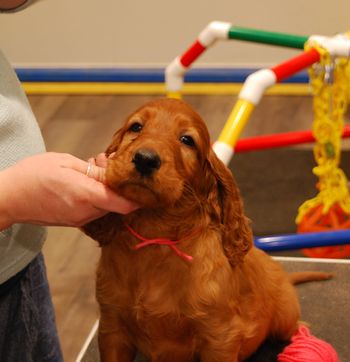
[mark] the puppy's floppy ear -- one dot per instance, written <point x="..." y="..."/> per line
<point x="224" y="196"/>
<point x="103" y="229"/>
<point x="117" y="139"/>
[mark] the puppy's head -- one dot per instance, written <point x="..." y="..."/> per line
<point x="157" y="153"/>
<point x="162" y="158"/>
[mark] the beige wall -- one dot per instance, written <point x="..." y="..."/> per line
<point x="153" y="32"/>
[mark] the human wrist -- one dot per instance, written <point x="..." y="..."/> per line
<point x="6" y="212"/>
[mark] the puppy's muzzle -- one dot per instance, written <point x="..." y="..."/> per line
<point x="146" y="161"/>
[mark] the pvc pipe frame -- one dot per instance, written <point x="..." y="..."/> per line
<point x="218" y="30"/>
<point x="338" y="45"/>
<point x="303" y="240"/>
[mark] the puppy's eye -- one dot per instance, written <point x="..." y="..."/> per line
<point x="187" y="140"/>
<point x="136" y="127"/>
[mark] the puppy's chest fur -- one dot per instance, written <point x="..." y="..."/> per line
<point x="151" y="292"/>
<point x="155" y="317"/>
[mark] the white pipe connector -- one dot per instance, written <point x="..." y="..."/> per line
<point x="337" y="46"/>
<point x="175" y="71"/>
<point x="214" y="31"/>
<point x="223" y="151"/>
<point x="255" y="85"/>
<point x="174" y="75"/>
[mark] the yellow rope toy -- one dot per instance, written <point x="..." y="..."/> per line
<point x="330" y="82"/>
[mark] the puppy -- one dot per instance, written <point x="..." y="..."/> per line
<point x="179" y="279"/>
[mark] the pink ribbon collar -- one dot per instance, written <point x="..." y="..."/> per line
<point x="160" y="241"/>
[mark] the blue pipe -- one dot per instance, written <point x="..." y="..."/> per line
<point x="303" y="240"/>
<point x="143" y="75"/>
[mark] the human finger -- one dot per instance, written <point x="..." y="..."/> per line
<point x="92" y="160"/>
<point x="101" y="160"/>
<point x="96" y="172"/>
<point x="89" y="169"/>
<point x="106" y="199"/>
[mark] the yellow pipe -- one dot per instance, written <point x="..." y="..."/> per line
<point x="175" y="95"/>
<point x="153" y="88"/>
<point x="236" y="122"/>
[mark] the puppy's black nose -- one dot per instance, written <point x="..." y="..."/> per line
<point x="146" y="161"/>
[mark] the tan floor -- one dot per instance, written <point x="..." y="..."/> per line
<point x="83" y="126"/>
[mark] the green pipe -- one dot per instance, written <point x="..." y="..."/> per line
<point x="267" y="37"/>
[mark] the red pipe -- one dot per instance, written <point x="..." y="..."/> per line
<point x="279" y="140"/>
<point x="296" y="64"/>
<point x="192" y="54"/>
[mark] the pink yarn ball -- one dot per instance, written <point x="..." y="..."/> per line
<point x="307" y="348"/>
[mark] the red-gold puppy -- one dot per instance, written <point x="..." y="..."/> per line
<point x="179" y="279"/>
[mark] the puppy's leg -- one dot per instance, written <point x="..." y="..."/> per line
<point x="286" y="313"/>
<point x="114" y="343"/>
<point x="112" y="349"/>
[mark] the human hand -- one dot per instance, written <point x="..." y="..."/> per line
<point x="53" y="189"/>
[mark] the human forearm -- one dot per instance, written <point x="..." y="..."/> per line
<point x="52" y="189"/>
